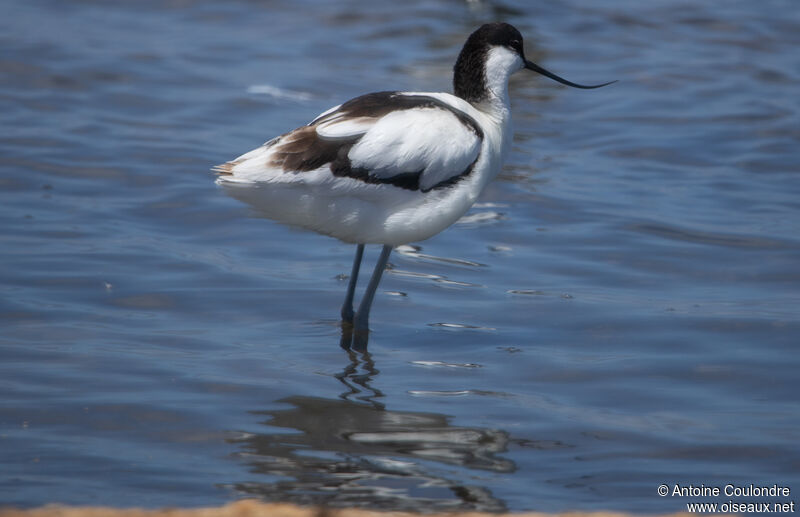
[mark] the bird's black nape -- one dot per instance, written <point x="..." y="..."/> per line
<point x="469" y="72"/>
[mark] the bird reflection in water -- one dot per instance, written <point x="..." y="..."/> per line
<point x="352" y="451"/>
<point x="358" y="383"/>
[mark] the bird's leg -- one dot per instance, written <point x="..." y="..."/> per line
<point x="361" y="321"/>
<point x="347" y="306"/>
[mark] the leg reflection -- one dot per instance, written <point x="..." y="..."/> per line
<point x="357" y="377"/>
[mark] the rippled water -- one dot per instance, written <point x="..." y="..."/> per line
<point x="619" y="311"/>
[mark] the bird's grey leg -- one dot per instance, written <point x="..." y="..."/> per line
<point x="361" y="321"/>
<point x="347" y="306"/>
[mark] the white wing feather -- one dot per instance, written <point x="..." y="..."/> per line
<point x="429" y="140"/>
<point x="344" y="127"/>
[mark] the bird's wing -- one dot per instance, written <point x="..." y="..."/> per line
<point x="414" y="142"/>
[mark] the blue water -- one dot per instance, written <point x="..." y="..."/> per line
<point x="620" y="309"/>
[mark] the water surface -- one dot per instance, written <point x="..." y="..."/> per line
<point x="620" y="310"/>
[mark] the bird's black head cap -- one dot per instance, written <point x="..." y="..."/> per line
<point x="470" y="69"/>
<point x="469" y="77"/>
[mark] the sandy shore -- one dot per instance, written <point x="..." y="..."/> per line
<point x="251" y="508"/>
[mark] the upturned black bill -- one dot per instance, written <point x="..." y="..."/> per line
<point x="530" y="65"/>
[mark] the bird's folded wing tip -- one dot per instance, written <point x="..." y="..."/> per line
<point x="223" y="168"/>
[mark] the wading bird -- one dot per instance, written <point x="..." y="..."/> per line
<point x="391" y="167"/>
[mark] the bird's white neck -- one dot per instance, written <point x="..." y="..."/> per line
<point x="499" y="65"/>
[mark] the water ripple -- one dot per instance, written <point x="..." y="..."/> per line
<point x="445" y="365"/>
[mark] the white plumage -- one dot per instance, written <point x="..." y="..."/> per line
<point x="430" y="140"/>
